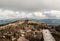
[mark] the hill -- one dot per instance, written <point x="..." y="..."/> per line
<point x="28" y="29"/>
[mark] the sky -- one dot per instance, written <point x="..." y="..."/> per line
<point x="42" y="9"/>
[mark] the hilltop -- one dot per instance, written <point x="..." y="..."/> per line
<point x="28" y="29"/>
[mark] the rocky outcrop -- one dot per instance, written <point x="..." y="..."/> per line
<point x="26" y="29"/>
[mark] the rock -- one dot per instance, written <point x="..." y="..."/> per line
<point x="21" y="31"/>
<point x="58" y="28"/>
<point x="28" y="31"/>
<point x="13" y="39"/>
<point x="3" y="36"/>
<point x="22" y="35"/>
<point x="22" y="39"/>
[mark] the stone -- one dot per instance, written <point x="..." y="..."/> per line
<point x="22" y="39"/>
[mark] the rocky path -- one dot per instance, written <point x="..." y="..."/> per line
<point x="47" y="35"/>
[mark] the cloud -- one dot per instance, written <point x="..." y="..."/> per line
<point x="17" y="8"/>
<point x="39" y="15"/>
<point x="52" y="4"/>
<point x="32" y="5"/>
<point x="8" y="14"/>
<point x="52" y="14"/>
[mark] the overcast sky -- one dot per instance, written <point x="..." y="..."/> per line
<point x="30" y="9"/>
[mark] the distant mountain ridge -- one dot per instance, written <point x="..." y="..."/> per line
<point x="50" y="21"/>
<point x="46" y="21"/>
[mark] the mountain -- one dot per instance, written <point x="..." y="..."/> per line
<point x="6" y="21"/>
<point x="46" y="21"/>
<point x="28" y="29"/>
<point x="49" y="21"/>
